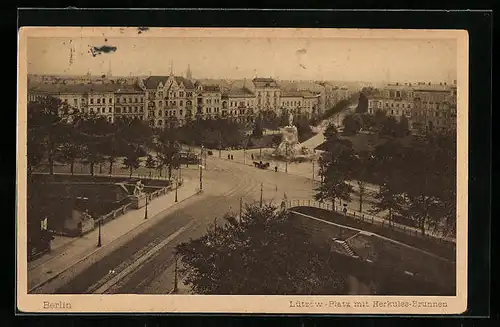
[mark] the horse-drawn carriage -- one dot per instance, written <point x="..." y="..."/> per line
<point x="261" y="165"/>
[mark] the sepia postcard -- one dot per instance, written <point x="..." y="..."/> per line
<point x="242" y="170"/>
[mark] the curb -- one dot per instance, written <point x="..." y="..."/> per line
<point x="98" y="249"/>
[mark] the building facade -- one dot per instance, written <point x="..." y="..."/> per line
<point x="169" y="100"/>
<point x="238" y="104"/>
<point x="267" y="93"/>
<point x="130" y="103"/>
<point x="427" y="106"/>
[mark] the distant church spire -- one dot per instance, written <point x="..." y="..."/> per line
<point x="171" y="67"/>
<point x="188" y="73"/>
<point x="109" y="70"/>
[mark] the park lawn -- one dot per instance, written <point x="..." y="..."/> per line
<point x="317" y="228"/>
<point x="440" y="248"/>
<point x="404" y="259"/>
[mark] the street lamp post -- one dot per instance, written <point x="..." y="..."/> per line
<point x="261" y="191"/>
<point x="313" y="168"/>
<point x="99" y="241"/>
<point x="286" y="158"/>
<point x="146" y="208"/>
<point x="176" y="187"/>
<point x="201" y="178"/>
<point x="241" y="207"/>
<point x="175" y="274"/>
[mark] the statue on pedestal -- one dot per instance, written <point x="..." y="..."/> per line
<point x="139" y="188"/>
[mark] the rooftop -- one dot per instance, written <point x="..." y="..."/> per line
<point x="239" y="92"/>
<point x="211" y="88"/>
<point x="75" y="88"/>
<point x="152" y="81"/>
<point x="301" y="94"/>
<point x="264" y="82"/>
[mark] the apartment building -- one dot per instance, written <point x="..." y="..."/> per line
<point x="85" y="98"/>
<point x="169" y="100"/>
<point x="239" y="104"/>
<point x="267" y="93"/>
<point x="427" y="106"/>
<point x="208" y="100"/>
<point x="300" y="102"/>
<point x="130" y="103"/>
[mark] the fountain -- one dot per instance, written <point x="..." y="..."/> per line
<point x="290" y="146"/>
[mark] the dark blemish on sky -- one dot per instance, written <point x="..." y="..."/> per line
<point x="105" y="40"/>
<point x="304" y="67"/>
<point x="102" y="49"/>
<point x="302" y="51"/>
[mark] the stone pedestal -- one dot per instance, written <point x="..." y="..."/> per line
<point x="138" y="201"/>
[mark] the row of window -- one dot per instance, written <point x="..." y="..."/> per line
<point x="173" y="103"/>
<point x="100" y="110"/>
<point x="110" y="100"/>
<point x="268" y="94"/>
<point x="129" y="100"/>
<point x="128" y="109"/>
<point x="181" y="94"/>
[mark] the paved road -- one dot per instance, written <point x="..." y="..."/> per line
<point x="319" y="138"/>
<point x="144" y="264"/>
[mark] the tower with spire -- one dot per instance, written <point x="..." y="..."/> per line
<point x="171" y="67"/>
<point x="108" y="75"/>
<point x="189" y="75"/>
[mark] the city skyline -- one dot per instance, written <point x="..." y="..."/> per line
<point x="432" y="60"/>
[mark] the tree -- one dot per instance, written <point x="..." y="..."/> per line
<point x="333" y="187"/>
<point x="331" y="133"/>
<point x="262" y="253"/>
<point x="304" y="130"/>
<point x="94" y="132"/>
<point x="168" y="148"/>
<point x="69" y="153"/>
<point x="150" y="163"/>
<point x="388" y="199"/>
<point x="404" y="127"/>
<point x="362" y="106"/>
<point x="378" y="119"/>
<point x="132" y="160"/>
<point x="257" y="131"/>
<point x="47" y="122"/>
<point x="160" y="163"/>
<point x="430" y="181"/>
<point x="338" y="107"/>
<point x="352" y="124"/>
<point x="364" y="163"/>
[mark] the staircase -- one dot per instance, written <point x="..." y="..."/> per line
<point x="345" y="248"/>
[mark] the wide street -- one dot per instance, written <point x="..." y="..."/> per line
<point x="144" y="262"/>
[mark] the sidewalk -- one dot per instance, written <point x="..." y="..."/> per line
<point x="66" y="251"/>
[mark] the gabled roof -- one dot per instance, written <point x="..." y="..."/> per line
<point x="152" y="82"/>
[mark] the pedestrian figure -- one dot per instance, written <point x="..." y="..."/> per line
<point x="232" y="157"/>
<point x="252" y="156"/>
<point x="276" y="168"/>
<point x="345" y="211"/>
<point x="228" y="156"/>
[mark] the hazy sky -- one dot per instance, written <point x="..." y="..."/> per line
<point x="400" y="60"/>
